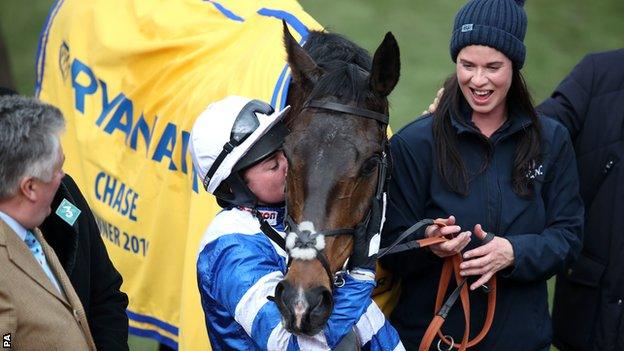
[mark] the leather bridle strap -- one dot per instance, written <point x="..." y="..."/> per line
<point x="320" y="254"/>
<point x="271" y="233"/>
<point x="381" y="181"/>
<point x="396" y="246"/>
<point x="337" y="107"/>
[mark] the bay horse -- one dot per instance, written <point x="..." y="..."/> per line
<point x="336" y="157"/>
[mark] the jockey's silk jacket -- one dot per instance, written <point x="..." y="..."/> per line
<point x="238" y="267"/>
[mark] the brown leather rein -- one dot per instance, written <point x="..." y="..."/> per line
<point x="450" y="268"/>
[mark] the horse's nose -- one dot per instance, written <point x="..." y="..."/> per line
<point x="321" y="310"/>
<point x="303" y="312"/>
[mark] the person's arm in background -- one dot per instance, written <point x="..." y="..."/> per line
<point x="569" y="102"/>
<point x="107" y="305"/>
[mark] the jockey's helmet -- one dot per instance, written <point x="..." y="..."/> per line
<point x="230" y="136"/>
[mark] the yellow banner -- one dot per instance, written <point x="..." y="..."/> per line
<point x="130" y="78"/>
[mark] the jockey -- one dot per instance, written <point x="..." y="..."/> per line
<point x="236" y="149"/>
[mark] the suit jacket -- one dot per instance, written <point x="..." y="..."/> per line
<point x="32" y="310"/>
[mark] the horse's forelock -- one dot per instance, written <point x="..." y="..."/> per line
<point x="326" y="47"/>
<point x="345" y="82"/>
<point x="346" y="68"/>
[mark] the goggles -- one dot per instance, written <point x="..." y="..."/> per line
<point x="244" y="125"/>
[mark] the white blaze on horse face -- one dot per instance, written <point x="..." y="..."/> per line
<point x="300" y="307"/>
<point x="304" y="253"/>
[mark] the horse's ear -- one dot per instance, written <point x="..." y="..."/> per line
<point x="386" y="66"/>
<point x="303" y="68"/>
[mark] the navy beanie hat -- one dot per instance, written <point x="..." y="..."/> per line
<point x="499" y="24"/>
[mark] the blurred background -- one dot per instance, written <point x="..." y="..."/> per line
<point x="560" y="33"/>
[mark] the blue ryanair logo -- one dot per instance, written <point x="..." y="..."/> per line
<point x="466" y="27"/>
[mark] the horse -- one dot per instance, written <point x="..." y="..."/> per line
<point x="336" y="157"/>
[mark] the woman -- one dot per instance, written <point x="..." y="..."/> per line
<point x="236" y="150"/>
<point x="485" y="162"/>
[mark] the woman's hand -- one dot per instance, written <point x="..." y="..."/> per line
<point x="487" y="259"/>
<point x="452" y="246"/>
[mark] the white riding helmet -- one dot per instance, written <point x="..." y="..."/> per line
<point x="225" y="132"/>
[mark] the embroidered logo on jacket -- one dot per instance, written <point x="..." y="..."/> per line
<point x="535" y="171"/>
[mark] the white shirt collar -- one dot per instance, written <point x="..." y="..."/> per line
<point x="17" y="228"/>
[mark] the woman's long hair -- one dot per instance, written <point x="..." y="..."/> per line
<point x="450" y="164"/>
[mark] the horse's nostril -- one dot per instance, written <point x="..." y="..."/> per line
<point x="279" y="296"/>
<point x="321" y="310"/>
<point x="279" y="289"/>
<point x="283" y="292"/>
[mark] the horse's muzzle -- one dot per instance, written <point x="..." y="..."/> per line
<point x="303" y="311"/>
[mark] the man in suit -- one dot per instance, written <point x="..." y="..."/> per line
<point x="82" y="253"/>
<point x="39" y="308"/>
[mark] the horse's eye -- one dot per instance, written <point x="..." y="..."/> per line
<point x="369" y="166"/>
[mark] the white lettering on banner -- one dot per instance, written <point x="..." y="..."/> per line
<point x="129" y="242"/>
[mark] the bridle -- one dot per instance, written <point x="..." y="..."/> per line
<point x="309" y="240"/>
<point x="313" y="242"/>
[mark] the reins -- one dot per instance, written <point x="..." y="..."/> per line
<point x="450" y="268"/>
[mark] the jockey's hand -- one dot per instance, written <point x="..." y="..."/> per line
<point x="367" y="238"/>
<point x="487" y="259"/>
<point x="452" y="246"/>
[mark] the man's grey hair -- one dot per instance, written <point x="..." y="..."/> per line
<point x="29" y="144"/>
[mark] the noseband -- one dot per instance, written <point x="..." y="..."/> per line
<point x="302" y="241"/>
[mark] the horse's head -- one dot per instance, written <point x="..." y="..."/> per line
<point x="335" y="152"/>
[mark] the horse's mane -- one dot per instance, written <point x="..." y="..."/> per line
<point x="346" y="66"/>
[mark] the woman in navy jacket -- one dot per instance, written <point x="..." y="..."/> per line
<point x="485" y="163"/>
